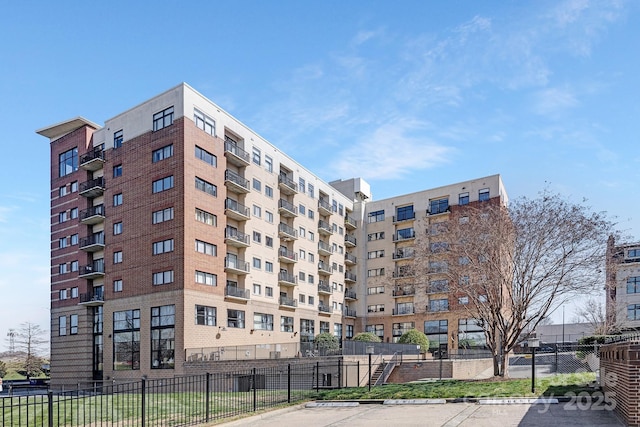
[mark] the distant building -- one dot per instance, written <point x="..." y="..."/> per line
<point x="178" y="231"/>
<point x="568" y="333"/>
<point x="623" y="284"/>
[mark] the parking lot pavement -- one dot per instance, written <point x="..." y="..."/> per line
<point x="447" y="415"/>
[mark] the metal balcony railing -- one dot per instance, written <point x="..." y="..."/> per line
<point x="288" y="302"/>
<point x="232" y="291"/>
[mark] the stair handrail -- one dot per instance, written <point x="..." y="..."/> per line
<point x="395" y="360"/>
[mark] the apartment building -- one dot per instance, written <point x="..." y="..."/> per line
<point x="176" y="227"/>
<point x="623" y="285"/>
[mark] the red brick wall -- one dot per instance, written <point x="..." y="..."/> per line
<point x="620" y="379"/>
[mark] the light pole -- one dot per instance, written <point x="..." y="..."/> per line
<point x="369" y="352"/>
<point x="533" y="344"/>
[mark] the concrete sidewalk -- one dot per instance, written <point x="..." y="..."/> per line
<point x="448" y="415"/>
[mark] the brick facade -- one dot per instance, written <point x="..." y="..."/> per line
<point x="620" y="379"/>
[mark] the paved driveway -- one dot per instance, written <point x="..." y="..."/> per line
<point x="449" y="415"/>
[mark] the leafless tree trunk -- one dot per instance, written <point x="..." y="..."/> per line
<point x="514" y="265"/>
<point x="30" y="339"/>
<point x="594" y="313"/>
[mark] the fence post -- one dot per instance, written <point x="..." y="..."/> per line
<point x="49" y="407"/>
<point x="208" y="401"/>
<point x="143" y="402"/>
<point x="289" y="383"/>
<point x="317" y="376"/>
<point x="358" y="373"/>
<point x="339" y="373"/>
<point x="254" y="390"/>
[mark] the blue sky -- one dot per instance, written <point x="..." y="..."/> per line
<point x="543" y="92"/>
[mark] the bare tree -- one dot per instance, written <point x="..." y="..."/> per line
<point x="516" y="264"/>
<point x="30" y="339"/>
<point x="594" y="313"/>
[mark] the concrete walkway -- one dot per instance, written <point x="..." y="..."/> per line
<point x="448" y="415"/>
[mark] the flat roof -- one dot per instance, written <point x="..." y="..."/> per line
<point x="61" y="129"/>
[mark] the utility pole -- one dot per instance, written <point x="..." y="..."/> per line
<point x="12" y="340"/>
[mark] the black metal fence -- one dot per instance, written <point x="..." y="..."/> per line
<point x="179" y="401"/>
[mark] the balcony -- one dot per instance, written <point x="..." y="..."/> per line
<point x="234" y="154"/>
<point x="402" y="273"/>
<point x="92" y="188"/>
<point x="236" y="266"/>
<point x="324" y="207"/>
<point x="401" y="254"/>
<point x="406" y="217"/>
<point x="287" y="209"/>
<point x="349" y="277"/>
<point x="93" y="270"/>
<point x="287" y="256"/>
<point x="233" y="237"/>
<point x="286" y="233"/>
<point x="350" y="294"/>
<point x="286" y="185"/>
<point x="350" y="223"/>
<point x="235" y="210"/>
<point x="325" y="309"/>
<point x="348" y="312"/>
<point x="324" y="288"/>
<point x="403" y="311"/>
<point x="286" y="302"/>
<point x="235" y="293"/>
<point x="92" y="215"/>
<point x="324" y="248"/>
<point x="92" y="299"/>
<point x="406" y="292"/>
<point x="350" y="259"/>
<point x="349" y="240"/>
<point x="324" y="268"/>
<point x="287" y="279"/>
<point x="236" y="183"/>
<point x="92" y="243"/>
<point x="324" y="228"/>
<point x="92" y="161"/>
<point x="404" y="235"/>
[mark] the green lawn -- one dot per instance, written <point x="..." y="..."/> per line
<point x="557" y="386"/>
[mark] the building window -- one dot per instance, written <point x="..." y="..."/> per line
<point x="207" y="187"/>
<point x="263" y="322"/>
<point x="162" y="153"/>
<point x="311" y="279"/>
<point x="374" y="272"/>
<point x="463" y="199"/>
<point x="349" y="333"/>
<point x="206" y="217"/>
<point x="633" y="253"/>
<point x="438" y="206"/>
<point x="268" y="191"/>
<point x="163" y="119"/>
<point x="117" y="228"/>
<point x="62" y="242"/>
<point x="376" y="329"/>
<point x="163" y="320"/>
<point x="257" y="211"/>
<point x="73" y="213"/>
<point x="205" y="278"/>
<point x="463" y="300"/>
<point x="471" y="334"/>
<point x="117" y="285"/>
<point x="117" y="199"/>
<point x="62" y="325"/>
<point x="62" y="268"/>
<point x="257" y="237"/>
<point x="307" y="330"/>
<point x="302" y="209"/>
<point x="118" y="137"/>
<point x="257" y="185"/>
<point x="163" y="184"/>
<point x="257" y="289"/>
<point x="302" y="298"/>
<point x="375" y="308"/>
<point x="310" y="214"/>
<point x="256" y="156"/>
<point x="205" y="315"/>
<point x="376" y="216"/>
<point x="204" y="122"/>
<point x="126" y="340"/>
<point x="117" y="257"/>
<point x="324" y="327"/>
<point x="74" y="239"/>
<point x="206" y="156"/>
<point x="62" y="191"/>
<point x="74" y="265"/>
<point x="405" y="213"/>
<point x="117" y="171"/>
<point x="206" y="248"/>
<point x="437" y="331"/>
<point x="375" y="254"/>
<point x="63" y="217"/>
<point x="436" y="305"/>
<point x="257" y="263"/>
<point x="163" y="246"/>
<point x="375" y="290"/>
<point x="63" y="294"/>
<point x="483" y="195"/>
<point x="286" y="324"/>
<point x="68" y="162"/>
<point x="312" y="300"/>
<point x="633" y="312"/>
<point x="438" y="286"/>
<point x="633" y="285"/>
<point x="235" y="318"/>
<point x="163" y="277"/>
<point x="73" y="324"/>
<point x="162" y="215"/>
<point x="268" y="216"/>
<point x="268" y="163"/>
<point x="268" y="241"/>
<point x="268" y="291"/>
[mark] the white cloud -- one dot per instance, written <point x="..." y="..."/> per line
<point x="554" y="100"/>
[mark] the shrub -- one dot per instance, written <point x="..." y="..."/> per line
<point x="327" y="341"/>
<point x="414" y="336"/>
<point x="367" y="337"/>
